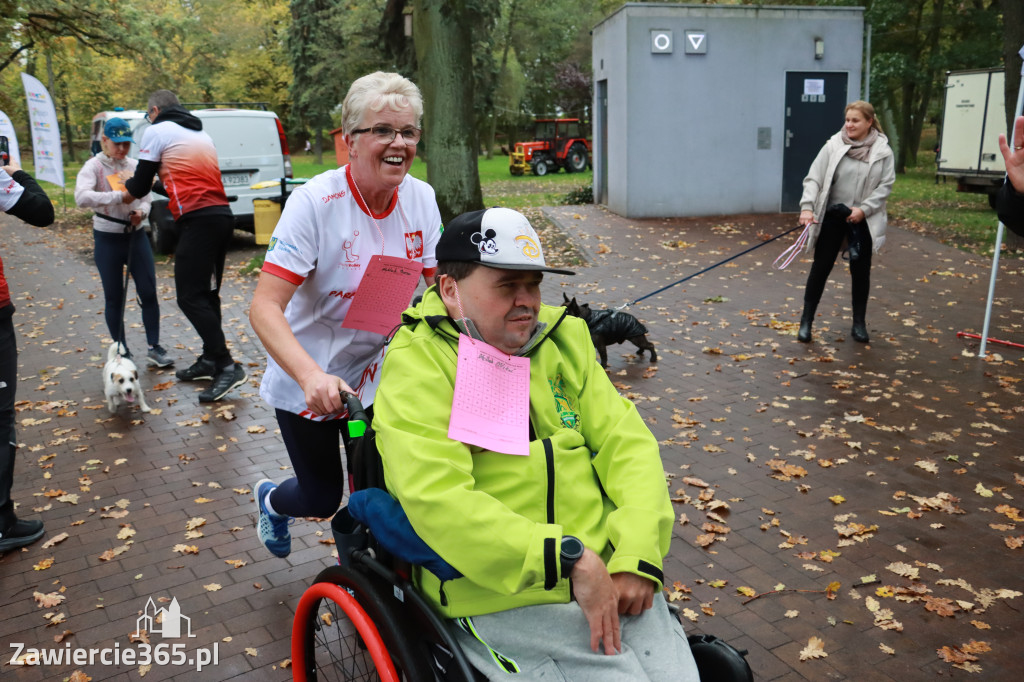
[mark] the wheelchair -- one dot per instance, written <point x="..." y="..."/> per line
<point x="364" y="620"/>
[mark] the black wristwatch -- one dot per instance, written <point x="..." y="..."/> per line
<point x="572" y="551"/>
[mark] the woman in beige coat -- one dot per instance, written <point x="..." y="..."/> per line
<point x="844" y="202"/>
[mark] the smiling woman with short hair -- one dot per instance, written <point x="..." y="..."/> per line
<point x="333" y="231"/>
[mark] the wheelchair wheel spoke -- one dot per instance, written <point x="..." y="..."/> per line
<point x="339" y="651"/>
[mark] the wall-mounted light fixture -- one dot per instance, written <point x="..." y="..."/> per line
<point x="819" y="48"/>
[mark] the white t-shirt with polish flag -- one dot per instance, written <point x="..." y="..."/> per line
<point x="322" y="243"/>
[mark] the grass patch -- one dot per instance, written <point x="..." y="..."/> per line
<point x="958" y="219"/>
<point x="499" y="187"/>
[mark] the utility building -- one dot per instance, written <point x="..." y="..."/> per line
<point x="709" y="110"/>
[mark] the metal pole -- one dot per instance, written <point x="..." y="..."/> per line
<point x="867" y="68"/>
<point x="999" y="230"/>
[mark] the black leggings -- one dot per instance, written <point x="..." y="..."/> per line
<point x="829" y="244"/>
<point x="314" y="450"/>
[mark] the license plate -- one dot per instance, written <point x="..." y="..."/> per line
<point x="235" y="179"/>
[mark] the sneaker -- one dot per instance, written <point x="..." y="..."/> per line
<point x="20" y="534"/>
<point x="200" y="369"/>
<point x="157" y="357"/>
<point x="272" y="528"/>
<point x="224" y="381"/>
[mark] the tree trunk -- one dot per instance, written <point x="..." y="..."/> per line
<point x="492" y="125"/>
<point x="318" y="146"/>
<point x="921" y="110"/>
<point x="67" y="127"/>
<point x="443" y="35"/>
<point x="67" y="124"/>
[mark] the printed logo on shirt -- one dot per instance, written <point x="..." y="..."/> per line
<point x="414" y="245"/>
<point x="351" y="259"/>
<point x="342" y="294"/>
<point x="335" y="195"/>
<point x="11" y="187"/>
<point x="285" y="246"/>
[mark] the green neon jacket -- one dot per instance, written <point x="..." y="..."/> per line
<point x="594" y="470"/>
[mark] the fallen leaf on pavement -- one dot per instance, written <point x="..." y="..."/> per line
<point x="815" y="649"/>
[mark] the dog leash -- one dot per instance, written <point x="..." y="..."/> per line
<point x="121" y="341"/>
<point x="712" y="267"/>
<point x="790" y="254"/>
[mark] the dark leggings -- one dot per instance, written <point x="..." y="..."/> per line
<point x="314" y="450"/>
<point x="829" y="244"/>
<point x="110" y="250"/>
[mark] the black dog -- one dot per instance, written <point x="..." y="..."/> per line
<point x="610" y="327"/>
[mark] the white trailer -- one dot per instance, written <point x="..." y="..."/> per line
<point x="973" y="115"/>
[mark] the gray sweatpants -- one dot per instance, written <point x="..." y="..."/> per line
<point x="551" y="642"/>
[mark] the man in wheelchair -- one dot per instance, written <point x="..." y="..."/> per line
<point x="560" y="551"/>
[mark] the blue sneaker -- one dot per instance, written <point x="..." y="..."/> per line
<point x="272" y="528"/>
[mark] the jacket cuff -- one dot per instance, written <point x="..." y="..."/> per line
<point x="639" y="566"/>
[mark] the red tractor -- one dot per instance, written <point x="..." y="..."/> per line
<point x="557" y="143"/>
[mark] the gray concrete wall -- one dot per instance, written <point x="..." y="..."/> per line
<point x="683" y="129"/>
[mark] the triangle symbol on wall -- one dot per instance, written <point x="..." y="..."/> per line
<point x="696" y="39"/>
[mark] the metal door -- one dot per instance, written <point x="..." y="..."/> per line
<point x="815" y="102"/>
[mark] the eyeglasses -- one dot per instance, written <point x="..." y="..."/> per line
<point x="387" y="134"/>
<point x="148" y="112"/>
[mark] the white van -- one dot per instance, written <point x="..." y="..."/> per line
<point x="251" y="148"/>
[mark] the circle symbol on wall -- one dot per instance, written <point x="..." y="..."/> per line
<point x="661" y="41"/>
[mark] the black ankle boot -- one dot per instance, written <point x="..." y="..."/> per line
<point x="804" y="335"/>
<point x="859" y="332"/>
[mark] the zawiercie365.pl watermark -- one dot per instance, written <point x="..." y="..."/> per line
<point x="167" y="622"/>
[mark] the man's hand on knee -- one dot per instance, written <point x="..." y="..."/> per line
<point x="635" y="593"/>
<point x="596" y="594"/>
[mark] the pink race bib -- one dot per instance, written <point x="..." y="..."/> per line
<point x="384" y="292"/>
<point x="491" y="407"/>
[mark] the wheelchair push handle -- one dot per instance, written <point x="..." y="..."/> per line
<point x="358" y="421"/>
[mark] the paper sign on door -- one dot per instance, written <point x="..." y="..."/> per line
<point x="384" y="292"/>
<point x="491" y="407"/>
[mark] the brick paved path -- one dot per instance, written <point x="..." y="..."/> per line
<point x="905" y="430"/>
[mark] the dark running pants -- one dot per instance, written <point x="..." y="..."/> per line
<point x="198" y="270"/>
<point x="826" y="249"/>
<point x="111" y="251"/>
<point x="8" y="385"/>
<point x="314" y="450"/>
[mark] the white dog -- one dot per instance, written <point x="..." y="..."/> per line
<point x="121" y="380"/>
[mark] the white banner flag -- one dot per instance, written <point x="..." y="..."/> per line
<point x="46" y="147"/>
<point x="7" y="130"/>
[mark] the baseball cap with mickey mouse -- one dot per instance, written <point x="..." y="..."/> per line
<point x="494" y="237"/>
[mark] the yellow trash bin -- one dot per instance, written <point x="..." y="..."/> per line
<point x="266" y="213"/>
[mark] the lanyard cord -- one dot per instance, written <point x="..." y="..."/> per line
<point x="710" y="267"/>
<point x="369" y="211"/>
